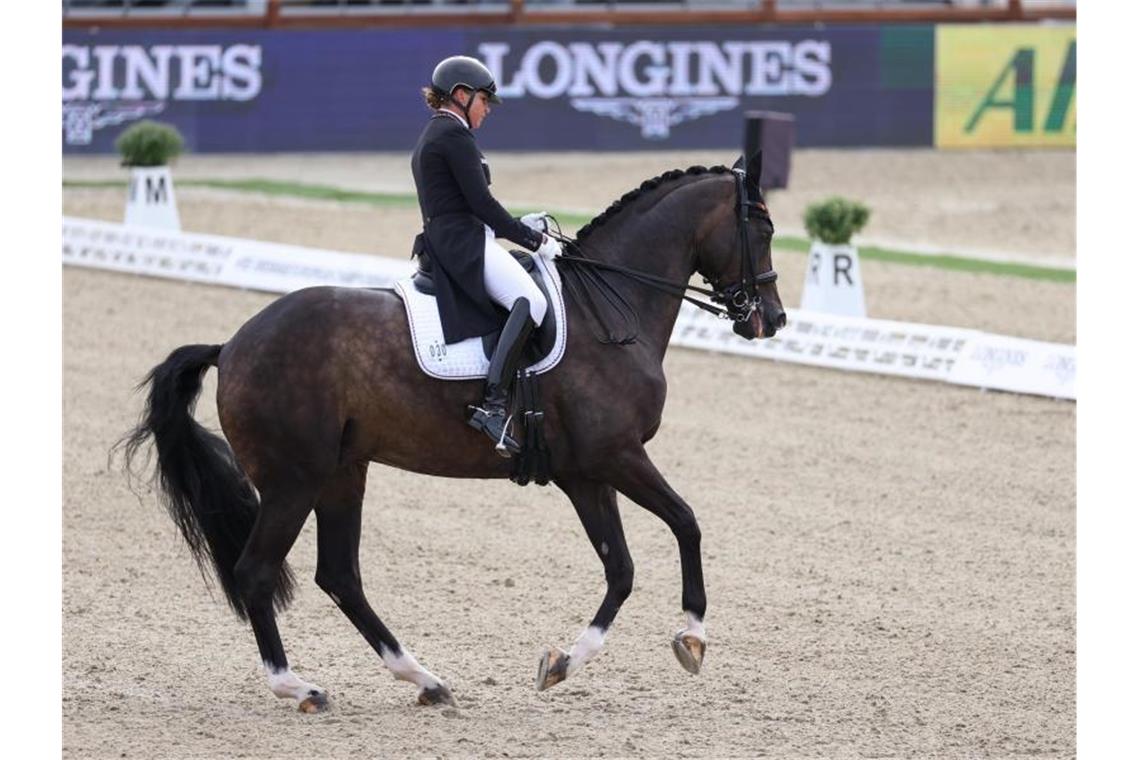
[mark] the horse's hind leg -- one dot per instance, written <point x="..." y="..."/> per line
<point x="282" y="514"/>
<point x="596" y="504"/>
<point x="338" y="575"/>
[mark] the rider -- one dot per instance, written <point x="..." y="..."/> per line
<point x="473" y="274"/>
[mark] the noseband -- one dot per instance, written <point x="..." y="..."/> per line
<point x="742" y="299"/>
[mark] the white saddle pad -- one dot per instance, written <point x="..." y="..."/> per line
<point x="465" y="360"/>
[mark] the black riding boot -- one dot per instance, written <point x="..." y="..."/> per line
<point x="492" y="417"/>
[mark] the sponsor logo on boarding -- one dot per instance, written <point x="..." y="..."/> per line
<point x="1063" y="367"/>
<point x="135" y="250"/>
<point x="108" y="85"/>
<point x="658" y="85"/>
<point x="995" y="359"/>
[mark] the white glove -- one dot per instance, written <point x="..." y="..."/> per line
<point x="550" y="248"/>
<point x="536" y="222"/>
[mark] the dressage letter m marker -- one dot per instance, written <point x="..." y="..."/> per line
<point x="155" y="190"/>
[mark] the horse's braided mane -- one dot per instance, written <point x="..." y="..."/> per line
<point x="645" y="187"/>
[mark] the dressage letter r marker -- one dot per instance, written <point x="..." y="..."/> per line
<point x="843" y="267"/>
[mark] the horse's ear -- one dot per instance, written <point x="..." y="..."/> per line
<point x="752" y="175"/>
<point x="739" y="163"/>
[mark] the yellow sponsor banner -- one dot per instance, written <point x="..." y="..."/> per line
<point x="1008" y="85"/>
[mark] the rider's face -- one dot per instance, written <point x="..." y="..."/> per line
<point x="480" y="107"/>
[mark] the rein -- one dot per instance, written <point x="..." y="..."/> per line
<point x="586" y="284"/>
<point x="740" y="299"/>
<point x="656" y="282"/>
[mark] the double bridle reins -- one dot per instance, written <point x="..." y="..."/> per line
<point x="738" y="301"/>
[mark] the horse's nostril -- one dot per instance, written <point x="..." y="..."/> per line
<point x="781" y="320"/>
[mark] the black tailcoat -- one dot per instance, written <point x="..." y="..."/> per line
<point x="452" y="182"/>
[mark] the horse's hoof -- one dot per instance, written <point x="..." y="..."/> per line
<point x="436" y="695"/>
<point x="552" y="666"/>
<point x="690" y="651"/>
<point x="314" y="703"/>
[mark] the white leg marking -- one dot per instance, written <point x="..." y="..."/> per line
<point x="694" y="626"/>
<point x="405" y="668"/>
<point x="286" y="685"/>
<point x="588" y="645"/>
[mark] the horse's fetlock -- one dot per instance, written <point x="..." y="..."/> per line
<point x="694" y="604"/>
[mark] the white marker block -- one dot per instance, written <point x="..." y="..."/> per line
<point x="833" y="283"/>
<point x="150" y="199"/>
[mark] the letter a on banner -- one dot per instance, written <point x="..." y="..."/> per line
<point x="1021" y="103"/>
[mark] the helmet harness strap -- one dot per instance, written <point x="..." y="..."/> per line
<point x="465" y="108"/>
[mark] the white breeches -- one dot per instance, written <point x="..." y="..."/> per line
<point x="506" y="281"/>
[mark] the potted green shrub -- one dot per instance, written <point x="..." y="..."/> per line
<point x="147" y="148"/>
<point x="833" y="282"/>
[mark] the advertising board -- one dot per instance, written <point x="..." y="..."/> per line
<point x="563" y="88"/>
<point x="1008" y="85"/>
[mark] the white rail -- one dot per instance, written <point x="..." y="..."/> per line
<point x="928" y="352"/>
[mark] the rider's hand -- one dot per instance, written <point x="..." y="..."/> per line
<point x="536" y="221"/>
<point x="550" y="248"/>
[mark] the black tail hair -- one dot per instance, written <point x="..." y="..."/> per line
<point x="199" y="482"/>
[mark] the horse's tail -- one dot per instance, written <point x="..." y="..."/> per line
<point x="200" y="483"/>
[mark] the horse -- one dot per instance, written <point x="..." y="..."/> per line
<point x="323" y="381"/>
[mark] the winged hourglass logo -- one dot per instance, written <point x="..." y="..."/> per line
<point x="81" y="120"/>
<point x="655" y="116"/>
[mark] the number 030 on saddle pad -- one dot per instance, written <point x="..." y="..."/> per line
<point x="468" y="360"/>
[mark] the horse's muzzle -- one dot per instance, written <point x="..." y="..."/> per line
<point x="745" y="330"/>
<point x="760" y="324"/>
<point x="772" y="323"/>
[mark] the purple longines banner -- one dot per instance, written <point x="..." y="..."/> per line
<point x="563" y="89"/>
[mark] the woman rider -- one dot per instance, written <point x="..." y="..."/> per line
<point x="473" y="274"/>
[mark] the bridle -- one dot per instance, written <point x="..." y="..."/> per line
<point x="743" y="298"/>
<point x="737" y="301"/>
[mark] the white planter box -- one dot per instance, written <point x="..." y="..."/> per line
<point x="150" y="198"/>
<point x="833" y="282"/>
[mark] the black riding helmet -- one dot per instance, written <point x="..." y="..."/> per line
<point x="463" y="71"/>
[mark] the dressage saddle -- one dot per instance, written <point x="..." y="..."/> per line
<point x="542" y="339"/>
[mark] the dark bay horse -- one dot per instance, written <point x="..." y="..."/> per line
<point x="324" y="381"/>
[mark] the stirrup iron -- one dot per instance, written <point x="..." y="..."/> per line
<point x="501" y="446"/>
<point x="480" y="419"/>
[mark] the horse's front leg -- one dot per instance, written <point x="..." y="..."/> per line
<point x="596" y="504"/>
<point x="636" y="477"/>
